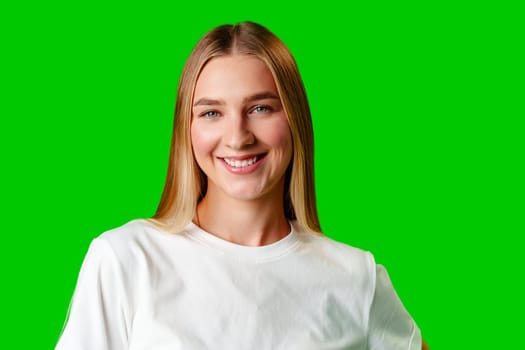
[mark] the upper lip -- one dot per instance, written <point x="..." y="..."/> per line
<point x="243" y="157"/>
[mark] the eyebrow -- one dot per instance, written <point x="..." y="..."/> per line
<point x="256" y="97"/>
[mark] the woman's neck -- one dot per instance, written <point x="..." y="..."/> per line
<point x="245" y="222"/>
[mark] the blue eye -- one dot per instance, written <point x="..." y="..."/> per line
<point x="209" y="114"/>
<point x="262" y="109"/>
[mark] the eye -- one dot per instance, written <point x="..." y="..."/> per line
<point x="262" y="109"/>
<point x="209" y="114"/>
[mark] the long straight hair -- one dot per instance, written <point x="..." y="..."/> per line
<point x="186" y="184"/>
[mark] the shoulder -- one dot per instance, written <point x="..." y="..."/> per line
<point x="133" y="230"/>
<point x="136" y="239"/>
<point x="337" y="253"/>
<point x="336" y="249"/>
<point x="136" y="231"/>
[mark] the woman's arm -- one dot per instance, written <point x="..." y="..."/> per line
<point x="424" y="346"/>
<point x="97" y="318"/>
<point x="390" y="325"/>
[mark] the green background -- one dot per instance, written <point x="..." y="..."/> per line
<point x="419" y="147"/>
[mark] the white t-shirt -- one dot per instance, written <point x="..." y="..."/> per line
<point x="141" y="288"/>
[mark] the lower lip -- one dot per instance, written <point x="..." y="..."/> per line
<point x="244" y="170"/>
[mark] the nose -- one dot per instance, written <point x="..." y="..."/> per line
<point x="238" y="134"/>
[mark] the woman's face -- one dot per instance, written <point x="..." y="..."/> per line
<point x="239" y="131"/>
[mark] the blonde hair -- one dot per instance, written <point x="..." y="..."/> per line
<point x="186" y="183"/>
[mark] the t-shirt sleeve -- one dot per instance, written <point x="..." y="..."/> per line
<point x="98" y="314"/>
<point x="390" y="325"/>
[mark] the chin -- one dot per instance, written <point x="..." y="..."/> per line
<point x="244" y="195"/>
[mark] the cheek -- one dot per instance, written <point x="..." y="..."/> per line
<point x="202" y="140"/>
<point x="279" y="135"/>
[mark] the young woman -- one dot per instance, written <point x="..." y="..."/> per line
<point x="234" y="257"/>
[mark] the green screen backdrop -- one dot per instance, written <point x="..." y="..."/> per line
<point x="417" y="111"/>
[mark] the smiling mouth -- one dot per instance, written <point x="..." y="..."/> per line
<point x="243" y="163"/>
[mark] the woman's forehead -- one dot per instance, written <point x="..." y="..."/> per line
<point x="234" y="76"/>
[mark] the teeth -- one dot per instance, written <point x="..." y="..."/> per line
<point x="240" y="163"/>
